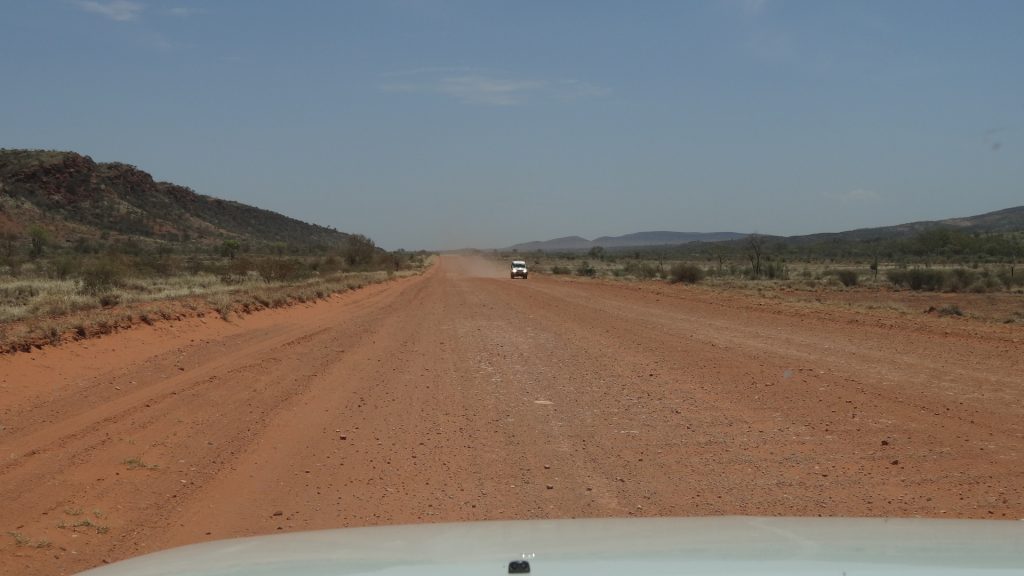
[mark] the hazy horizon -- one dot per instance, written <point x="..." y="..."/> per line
<point x="451" y="124"/>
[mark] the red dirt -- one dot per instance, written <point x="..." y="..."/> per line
<point x="463" y="395"/>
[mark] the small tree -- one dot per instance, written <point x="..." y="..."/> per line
<point x="1014" y="253"/>
<point x="360" y="250"/>
<point x="718" y="251"/>
<point x="755" y="250"/>
<point x="229" y="249"/>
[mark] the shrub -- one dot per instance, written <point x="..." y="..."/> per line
<point x="62" y="268"/>
<point x="560" y="270"/>
<point x="280" y="269"/>
<point x="918" y="279"/>
<point x="643" y="270"/>
<point x="18" y="294"/>
<point x="950" y="310"/>
<point x="110" y="299"/>
<point x="101" y="276"/>
<point x="1008" y="279"/>
<point x="847" y="277"/>
<point x="585" y="269"/>
<point x="775" y="270"/>
<point x="959" y="279"/>
<point x="986" y="283"/>
<point x="686" y="273"/>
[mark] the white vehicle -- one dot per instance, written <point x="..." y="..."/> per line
<point x="719" y="546"/>
<point x="518" y="269"/>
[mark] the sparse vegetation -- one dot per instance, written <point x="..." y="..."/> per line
<point x="950" y="261"/>
<point x="83" y="523"/>
<point x="950" y="310"/>
<point x="41" y="311"/>
<point x="23" y="541"/>
<point x="138" y="464"/>
<point x="116" y="248"/>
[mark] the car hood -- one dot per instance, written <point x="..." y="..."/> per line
<point x="623" y="547"/>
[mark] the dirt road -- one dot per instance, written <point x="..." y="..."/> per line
<point x="463" y="395"/>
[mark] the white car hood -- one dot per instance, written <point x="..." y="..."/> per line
<point x="620" y="547"/>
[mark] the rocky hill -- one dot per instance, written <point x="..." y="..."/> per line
<point x="1000" y="221"/>
<point x="72" y="197"/>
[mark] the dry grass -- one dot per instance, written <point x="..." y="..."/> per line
<point x="39" y="312"/>
<point x="138" y="463"/>
<point x="23" y="541"/>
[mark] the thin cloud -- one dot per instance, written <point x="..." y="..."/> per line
<point x="855" y="196"/>
<point x="183" y="12"/>
<point x="488" y="89"/>
<point x="163" y="44"/>
<point x="117" y="10"/>
<point x="575" y="89"/>
<point x="754" y="7"/>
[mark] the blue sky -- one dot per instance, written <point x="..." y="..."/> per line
<point x="444" y="124"/>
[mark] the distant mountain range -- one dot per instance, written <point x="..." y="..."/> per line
<point x="74" y="198"/>
<point x="1008" y="220"/>
<point x="657" y="238"/>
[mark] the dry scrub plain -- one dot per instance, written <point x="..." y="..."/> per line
<point x="38" y="312"/>
<point x="463" y="395"/>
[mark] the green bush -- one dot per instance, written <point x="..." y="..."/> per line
<point x="685" y="273"/>
<point x="560" y="270"/>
